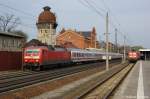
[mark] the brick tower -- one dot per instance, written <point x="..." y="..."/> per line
<point x="46" y="26"/>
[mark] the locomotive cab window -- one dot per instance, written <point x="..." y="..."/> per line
<point x="32" y="51"/>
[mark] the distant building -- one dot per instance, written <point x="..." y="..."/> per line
<point x="111" y="46"/>
<point x="46" y="26"/>
<point x="78" y="39"/>
<point x="103" y="45"/>
<point x="11" y="42"/>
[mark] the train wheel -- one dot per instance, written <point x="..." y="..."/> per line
<point x="32" y="68"/>
<point x="41" y="68"/>
<point x="24" y="68"/>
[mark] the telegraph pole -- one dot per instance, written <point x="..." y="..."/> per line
<point x="124" y="55"/>
<point x="116" y="41"/>
<point x="107" y="46"/>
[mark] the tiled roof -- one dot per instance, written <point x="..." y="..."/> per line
<point x="10" y="34"/>
<point x="47" y="16"/>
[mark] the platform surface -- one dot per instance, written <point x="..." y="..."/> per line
<point x="137" y="84"/>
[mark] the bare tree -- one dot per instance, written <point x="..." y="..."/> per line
<point x="8" y="22"/>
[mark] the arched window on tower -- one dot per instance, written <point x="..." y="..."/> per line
<point x="45" y="31"/>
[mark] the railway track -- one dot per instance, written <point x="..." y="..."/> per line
<point x="15" y="74"/>
<point x="12" y="81"/>
<point x="104" y="88"/>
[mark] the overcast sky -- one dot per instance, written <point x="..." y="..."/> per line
<point x="132" y="15"/>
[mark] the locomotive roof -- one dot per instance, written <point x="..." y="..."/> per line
<point x="31" y="47"/>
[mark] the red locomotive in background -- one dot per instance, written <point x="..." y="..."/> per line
<point x="133" y="56"/>
<point x="40" y="56"/>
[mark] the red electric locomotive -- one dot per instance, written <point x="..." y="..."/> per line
<point x="39" y="56"/>
<point x="133" y="56"/>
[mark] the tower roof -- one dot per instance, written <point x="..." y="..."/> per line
<point x="47" y="16"/>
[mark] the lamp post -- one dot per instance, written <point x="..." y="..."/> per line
<point x="107" y="45"/>
<point x="124" y="52"/>
<point x="116" y="41"/>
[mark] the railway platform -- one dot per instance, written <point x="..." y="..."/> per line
<point x="137" y="84"/>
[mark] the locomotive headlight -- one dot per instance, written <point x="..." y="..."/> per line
<point x="36" y="60"/>
<point x="26" y="60"/>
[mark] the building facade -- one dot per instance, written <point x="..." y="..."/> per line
<point x="111" y="46"/>
<point x="11" y="42"/>
<point x="46" y="26"/>
<point x="78" y="39"/>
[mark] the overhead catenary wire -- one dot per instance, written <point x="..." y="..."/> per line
<point x="91" y="7"/>
<point x="29" y="16"/>
<point x="113" y="16"/>
<point x="17" y="10"/>
<point x="121" y="32"/>
<point x="97" y="6"/>
<point x="110" y="11"/>
<point x="100" y="11"/>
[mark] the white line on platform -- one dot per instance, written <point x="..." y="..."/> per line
<point x="140" y="89"/>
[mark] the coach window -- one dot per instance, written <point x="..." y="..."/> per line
<point x="85" y="54"/>
<point x="81" y="54"/>
<point x="74" y="54"/>
<point x="77" y="54"/>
